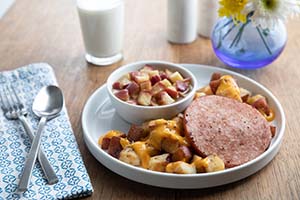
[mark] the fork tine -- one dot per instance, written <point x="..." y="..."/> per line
<point x="18" y="101"/>
<point x="14" y="98"/>
<point x="12" y="107"/>
<point x="4" y="101"/>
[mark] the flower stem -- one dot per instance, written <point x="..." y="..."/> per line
<point x="225" y="35"/>
<point x="264" y="41"/>
<point x="229" y="22"/>
<point x="239" y="35"/>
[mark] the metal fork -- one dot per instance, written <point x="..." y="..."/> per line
<point x="14" y="109"/>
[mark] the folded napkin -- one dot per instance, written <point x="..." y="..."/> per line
<point x="58" y="143"/>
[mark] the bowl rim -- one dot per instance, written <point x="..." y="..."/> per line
<point x="191" y="93"/>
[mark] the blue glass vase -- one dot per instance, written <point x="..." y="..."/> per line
<point x="247" y="46"/>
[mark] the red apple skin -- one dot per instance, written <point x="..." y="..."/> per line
<point x="172" y="92"/>
<point x="133" y="88"/>
<point x="154" y="79"/>
<point x="181" y="86"/>
<point x="163" y="75"/>
<point x="122" y="94"/>
<point x="117" y="85"/>
<point x="147" y="68"/>
<point x="163" y="98"/>
<point x="132" y="101"/>
<point x="157" y="88"/>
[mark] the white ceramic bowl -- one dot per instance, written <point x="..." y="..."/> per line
<point x="137" y="114"/>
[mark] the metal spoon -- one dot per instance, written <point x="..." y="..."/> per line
<point x="47" y="104"/>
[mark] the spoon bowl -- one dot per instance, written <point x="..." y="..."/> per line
<point x="48" y="102"/>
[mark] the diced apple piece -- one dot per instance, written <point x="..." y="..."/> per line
<point x="147" y="69"/>
<point x="154" y="102"/>
<point x="166" y="83"/>
<point x="168" y="72"/>
<point x="144" y="98"/>
<point x="181" y="86"/>
<point x="164" y="98"/>
<point x="163" y="75"/>
<point x="171" y="90"/>
<point x="117" y="85"/>
<point x="133" y="88"/>
<point x="132" y="102"/>
<point x="124" y="81"/>
<point x="153" y="73"/>
<point x="154" y="79"/>
<point x="139" y="77"/>
<point x="122" y="94"/>
<point x="146" y="86"/>
<point x="176" y="76"/>
<point x="157" y="88"/>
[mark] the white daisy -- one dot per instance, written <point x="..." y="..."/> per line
<point x="267" y="13"/>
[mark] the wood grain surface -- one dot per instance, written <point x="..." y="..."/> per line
<point x="49" y="31"/>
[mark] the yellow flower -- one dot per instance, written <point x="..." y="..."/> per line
<point x="234" y="9"/>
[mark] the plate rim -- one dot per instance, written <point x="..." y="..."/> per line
<point x="275" y="146"/>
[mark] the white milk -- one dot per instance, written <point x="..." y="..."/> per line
<point x="102" y="24"/>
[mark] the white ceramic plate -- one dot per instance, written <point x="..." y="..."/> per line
<point x="98" y="117"/>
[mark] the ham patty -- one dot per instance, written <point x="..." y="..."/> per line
<point x="235" y="131"/>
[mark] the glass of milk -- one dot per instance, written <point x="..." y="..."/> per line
<point x="102" y="24"/>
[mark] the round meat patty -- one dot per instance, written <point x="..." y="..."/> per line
<point x="234" y="131"/>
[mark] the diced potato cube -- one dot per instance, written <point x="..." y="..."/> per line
<point x="181" y="167"/>
<point x="129" y="156"/>
<point x="207" y="90"/>
<point x="197" y="161"/>
<point x="159" y="163"/>
<point x="211" y="163"/>
<point x="182" y="153"/>
<point x="170" y="144"/>
<point x="176" y="76"/>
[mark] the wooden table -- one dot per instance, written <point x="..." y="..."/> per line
<point x="49" y="31"/>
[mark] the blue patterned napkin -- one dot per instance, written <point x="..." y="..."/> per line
<point x="58" y="143"/>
